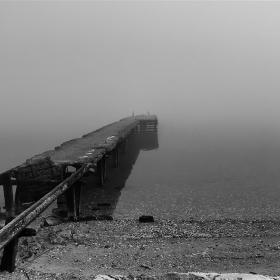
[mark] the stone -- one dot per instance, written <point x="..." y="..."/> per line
<point x="146" y="219"/>
<point x="52" y="221"/>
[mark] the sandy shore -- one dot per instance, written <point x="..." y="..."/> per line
<point x="129" y="248"/>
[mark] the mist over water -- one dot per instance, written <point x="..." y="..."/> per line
<point x="212" y="171"/>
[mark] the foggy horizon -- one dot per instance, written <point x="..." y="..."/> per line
<point x="69" y="68"/>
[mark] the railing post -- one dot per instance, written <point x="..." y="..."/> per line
<point x="10" y="250"/>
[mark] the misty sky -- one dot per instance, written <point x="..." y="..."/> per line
<point x="68" y="68"/>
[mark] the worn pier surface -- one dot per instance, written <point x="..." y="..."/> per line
<point x="86" y="155"/>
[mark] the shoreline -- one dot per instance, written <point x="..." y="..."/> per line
<point x="126" y="247"/>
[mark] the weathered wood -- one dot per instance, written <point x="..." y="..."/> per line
<point x="13" y="228"/>
<point x="70" y="204"/>
<point x="10" y="251"/>
<point x="8" y="261"/>
<point x="77" y="199"/>
<point x="8" y="194"/>
<point x="18" y="204"/>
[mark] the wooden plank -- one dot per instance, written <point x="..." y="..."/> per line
<point x="12" y="229"/>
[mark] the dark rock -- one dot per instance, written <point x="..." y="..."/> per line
<point x="146" y="219"/>
<point x="145" y="266"/>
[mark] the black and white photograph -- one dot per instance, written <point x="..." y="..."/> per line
<point x="139" y="140"/>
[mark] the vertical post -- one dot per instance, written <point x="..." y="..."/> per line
<point x="101" y="171"/>
<point x="18" y="204"/>
<point x="104" y="168"/>
<point x="124" y="146"/>
<point x="10" y="251"/>
<point x="71" y="200"/>
<point x="116" y="156"/>
<point x="78" y="199"/>
<point x="73" y="195"/>
<point x="71" y="204"/>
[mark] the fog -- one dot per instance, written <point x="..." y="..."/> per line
<point x="68" y="68"/>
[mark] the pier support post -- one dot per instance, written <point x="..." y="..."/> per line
<point x="101" y="171"/>
<point x="72" y="196"/>
<point x="132" y="136"/>
<point x="116" y="156"/>
<point x="124" y="146"/>
<point x="10" y="251"/>
<point x="18" y="204"/>
<point x="77" y="189"/>
<point x="73" y="202"/>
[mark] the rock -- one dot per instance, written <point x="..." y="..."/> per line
<point x="27" y="232"/>
<point x="145" y="266"/>
<point x="65" y="234"/>
<point x="146" y="219"/>
<point x="52" y="221"/>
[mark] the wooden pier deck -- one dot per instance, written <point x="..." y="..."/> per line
<point x="85" y="154"/>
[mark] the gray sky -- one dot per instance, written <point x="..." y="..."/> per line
<point x="71" y="67"/>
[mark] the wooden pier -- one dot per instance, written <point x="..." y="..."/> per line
<point x="86" y="155"/>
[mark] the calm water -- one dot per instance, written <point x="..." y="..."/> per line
<point x="212" y="172"/>
<point x="199" y="172"/>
